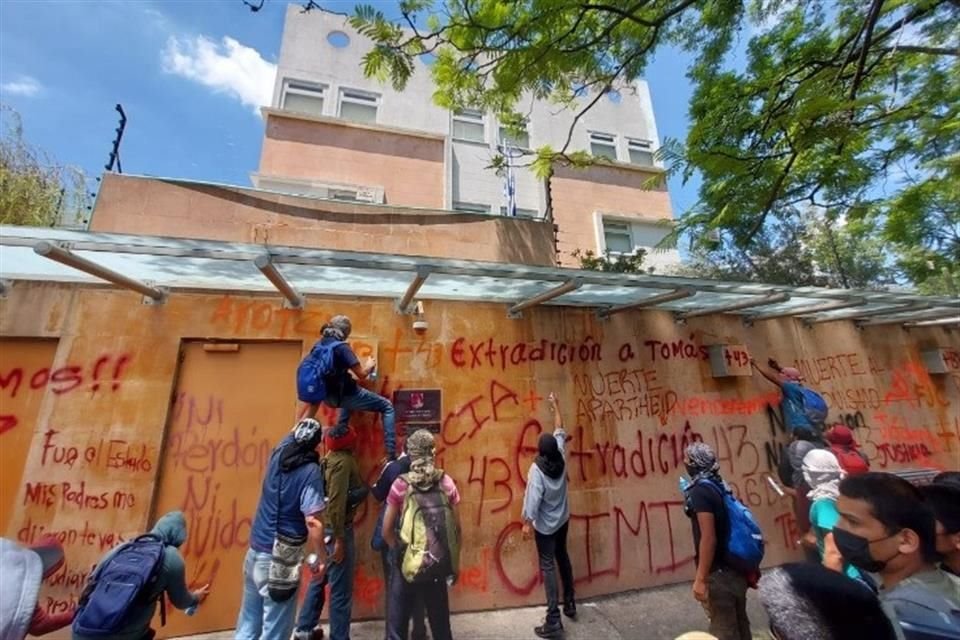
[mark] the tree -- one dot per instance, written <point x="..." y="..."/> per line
<point x="610" y="263"/>
<point x="808" y="249"/>
<point x="833" y="101"/>
<point x="34" y="190"/>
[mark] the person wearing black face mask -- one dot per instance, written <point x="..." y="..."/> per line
<point x="886" y="528"/>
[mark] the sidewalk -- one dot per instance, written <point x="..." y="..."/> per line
<point x="652" y="614"/>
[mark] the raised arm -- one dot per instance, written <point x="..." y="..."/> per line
<point x="769" y="376"/>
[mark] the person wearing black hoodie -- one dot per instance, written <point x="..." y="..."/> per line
<point x="547" y="510"/>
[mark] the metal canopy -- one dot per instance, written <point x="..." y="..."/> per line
<point x="160" y="265"/>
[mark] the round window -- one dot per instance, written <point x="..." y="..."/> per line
<point x="338" y="39"/>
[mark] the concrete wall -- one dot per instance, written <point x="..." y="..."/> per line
<point x="409" y="169"/>
<point x="147" y="408"/>
<point x="306" y="54"/>
<point x="185" y="209"/>
<point x="582" y="198"/>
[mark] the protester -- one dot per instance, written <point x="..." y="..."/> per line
<point x="947" y="477"/>
<point x="380" y="490"/>
<point x="810" y="602"/>
<point x="886" y="528"/>
<point x="823" y="474"/>
<point x="421" y="571"/>
<point x="345" y="492"/>
<point x="547" y="510"/>
<point x="721" y="589"/>
<point x="341" y="388"/>
<point x="802" y="408"/>
<point x="944" y="499"/>
<point x="122" y="593"/>
<point x="791" y="474"/>
<point x="288" y="525"/>
<point x="22" y="570"/>
<point x="840" y="439"/>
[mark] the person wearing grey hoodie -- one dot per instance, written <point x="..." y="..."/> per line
<point x="547" y="510"/>
<point x="171" y="581"/>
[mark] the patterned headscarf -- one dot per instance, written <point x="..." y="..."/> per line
<point x="423" y="472"/>
<point x="822" y="473"/>
<point x="338" y="328"/>
<point x="303" y="450"/>
<point x="703" y="462"/>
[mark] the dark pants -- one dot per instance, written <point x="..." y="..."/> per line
<point x="552" y="550"/>
<point x="727" y="605"/>
<point x="403" y="595"/>
<point x="416" y="611"/>
<point x="312" y="606"/>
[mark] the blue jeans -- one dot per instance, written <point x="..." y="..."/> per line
<point x="260" y="617"/>
<point x="364" y="400"/>
<point x="312" y="605"/>
<point x="337" y="575"/>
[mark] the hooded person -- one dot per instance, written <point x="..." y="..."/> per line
<point x="810" y="602"/>
<point x="840" y="439"/>
<point x="790" y="382"/>
<point x="546" y="509"/>
<point x="287" y="527"/>
<point x="23" y="569"/>
<point x="424" y="486"/>
<point x="170" y="583"/>
<point x="720" y="588"/>
<point x="345" y="492"/>
<point x="341" y="386"/>
<point x="822" y="473"/>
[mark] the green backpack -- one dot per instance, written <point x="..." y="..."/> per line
<point x="429" y="533"/>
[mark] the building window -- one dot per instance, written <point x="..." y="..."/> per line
<point x="358" y="106"/>
<point x="603" y="145"/>
<point x="516" y="140"/>
<point x="641" y="152"/>
<point x="468" y="125"/>
<point x="521" y="213"/>
<point x="616" y="237"/>
<point x="303" y="97"/>
<point x="471" y="207"/>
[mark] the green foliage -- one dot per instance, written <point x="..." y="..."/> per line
<point x="611" y="263"/>
<point x="833" y="102"/>
<point x="33" y="190"/>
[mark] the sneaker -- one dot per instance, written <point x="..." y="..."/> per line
<point x="314" y="634"/>
<point x="317" y="633"/>
<point x="547" y="630"/>
<point x="570" y="610"/>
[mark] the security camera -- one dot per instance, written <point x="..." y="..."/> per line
<point x="420" y="326"/>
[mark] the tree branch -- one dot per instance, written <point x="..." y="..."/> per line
<point x="933" y="51"/>
<point x="872" y="17"/>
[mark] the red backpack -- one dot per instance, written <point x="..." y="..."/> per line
<point x="851" y="460"/>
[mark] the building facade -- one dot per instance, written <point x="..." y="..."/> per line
<point x="333" y="133"/>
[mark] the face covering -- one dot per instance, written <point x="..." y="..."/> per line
<point x="691" y="470"/>
<point x="856" y="550"/>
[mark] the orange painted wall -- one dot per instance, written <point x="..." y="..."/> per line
<point x="617" y="191"/>
<point x="184" y="209"/>
<point x="409" y="168"/>
<point x="633" y="389"/>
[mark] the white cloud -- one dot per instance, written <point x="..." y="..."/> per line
<point x="22" y="86"/>
<point x="226" y="67"/>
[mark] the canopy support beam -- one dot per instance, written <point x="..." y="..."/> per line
<point x="568" y="286"/>
<point x="651" y="301"/>
<point x="882" y="311"/>
<point x="70" y="259"/>
<point x="803" y="311"/>
<point x="403" y="305"/>
<point x="943" y="322"/>
<point x="933" y="314"/>
<point x="292" y="299"/>
<point x="759" y="301"/>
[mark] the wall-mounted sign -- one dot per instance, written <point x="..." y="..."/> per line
<point x="419" y="409"/>
<point x="940" y="361"/>
<point x="729" y="360"/>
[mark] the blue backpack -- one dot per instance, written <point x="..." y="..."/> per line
<point x="313" y="369"/>
<point x="743" y="550"/>
<point x="118" y="586"/>
<point x="814" y="406"/>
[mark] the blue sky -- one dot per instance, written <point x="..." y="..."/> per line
<point x="189" y="75"/>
